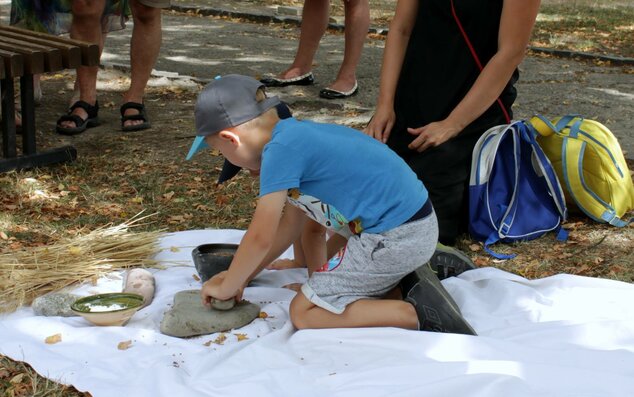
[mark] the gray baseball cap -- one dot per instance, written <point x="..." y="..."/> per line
<point x="226" y="102"/>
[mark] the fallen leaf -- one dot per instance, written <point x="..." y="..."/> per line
<point x="241" y="337"/>
<point x="168" y="196"/>
<point x="53" y="339"/>
<point x="196" y="277"/>
<point x="4" y="236"/>
<point x="263" y="315"/>
<point x="220" y="339"/>
<point x="474" y="247"/>
<point x="125" y="345"/>
<point x="175" y="249"/>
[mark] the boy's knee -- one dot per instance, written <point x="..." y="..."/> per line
<point x="298" y="311"/>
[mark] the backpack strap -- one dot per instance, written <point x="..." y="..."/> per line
<point x="504" y="227"/>
<point x="539" y="124"/>
<point x="572" y="161"/>
<point x="549" y="174"/>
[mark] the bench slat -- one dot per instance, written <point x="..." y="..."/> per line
<point x="33" y="60"/>
<point x="13" y="64"/>
<point x="52" y="56"/>
<point x="89" y="51"/>
<point x="71" y="55"/>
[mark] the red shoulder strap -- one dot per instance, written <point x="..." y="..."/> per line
<point x="475" y="57"/>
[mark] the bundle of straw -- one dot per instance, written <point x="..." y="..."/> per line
<point x="29" y="273"/>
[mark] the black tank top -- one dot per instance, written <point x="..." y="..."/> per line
<point x="438" y="69"/>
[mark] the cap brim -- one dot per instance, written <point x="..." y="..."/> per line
<point x="229" y="170"/>
<point x="199" y="144"/>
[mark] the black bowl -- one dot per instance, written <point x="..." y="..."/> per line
<point x="211" y="259"/>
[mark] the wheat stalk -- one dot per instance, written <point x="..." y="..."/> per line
<point x="31" y="272"/>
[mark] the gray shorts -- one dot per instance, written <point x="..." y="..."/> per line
<point x="155" y="3"/>
<point x="370" y="265"/>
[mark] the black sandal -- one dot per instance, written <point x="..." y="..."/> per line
<point x="81" y="125"/>
<point x="141" y="116"/>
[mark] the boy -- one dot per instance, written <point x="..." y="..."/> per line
<point x="344" y="180"/>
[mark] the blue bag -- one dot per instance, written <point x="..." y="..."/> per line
<point x="514" y="193"/>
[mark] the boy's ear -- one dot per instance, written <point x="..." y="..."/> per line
<point x="229" y="136"/>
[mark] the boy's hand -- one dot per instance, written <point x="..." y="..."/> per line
<point x="212" y="289"/>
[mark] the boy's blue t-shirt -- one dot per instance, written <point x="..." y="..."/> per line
<point x="362" y="178"/>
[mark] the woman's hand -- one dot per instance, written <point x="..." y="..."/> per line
<point x="432" y="135"/>
<point x="380" y="126"/>
<point x="212" y="289"/>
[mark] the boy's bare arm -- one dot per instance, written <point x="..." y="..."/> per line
<point x="289" y="229"/>
<point x="255" y="244"/>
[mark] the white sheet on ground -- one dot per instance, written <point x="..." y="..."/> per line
<point x="559" y="336"/>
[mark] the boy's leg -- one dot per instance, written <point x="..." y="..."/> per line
<point x="362" y="313"/>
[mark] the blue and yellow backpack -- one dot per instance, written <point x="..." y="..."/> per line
<point x="590" y="164"/>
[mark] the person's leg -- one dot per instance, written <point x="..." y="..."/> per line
<point x="144" y="49"/>
<point x="362" y="313"/>
<point x="76" y="93"/>
<point x="314" y="24"/>
<point x="357" y="22"/>
<point x="86" y="26"/>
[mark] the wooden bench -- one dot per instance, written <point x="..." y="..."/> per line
<point x="24" y="53"/>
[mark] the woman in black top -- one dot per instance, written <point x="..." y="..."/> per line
<point x="434" y="102"/>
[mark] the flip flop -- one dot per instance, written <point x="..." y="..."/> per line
<point x="142" y="115"/>
<point x="81" y="125"/>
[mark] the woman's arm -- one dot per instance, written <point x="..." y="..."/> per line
<point x="395" y="46"/>
<point x="516" y="24"/>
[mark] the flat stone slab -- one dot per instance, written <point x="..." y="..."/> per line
<point x="54" y="304"/>
<point x="188" y="316"/>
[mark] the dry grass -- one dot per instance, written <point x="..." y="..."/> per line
<point x="33" y="271"/>
<point x="18" y="379"/>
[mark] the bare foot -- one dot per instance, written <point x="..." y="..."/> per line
<point x="71" y="124"/>
<point x="130" y="123"/>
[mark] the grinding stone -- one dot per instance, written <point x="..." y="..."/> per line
<point x="54" y="304"/>
<point x="188" y="316"/>
<point x="223" y="305"/>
